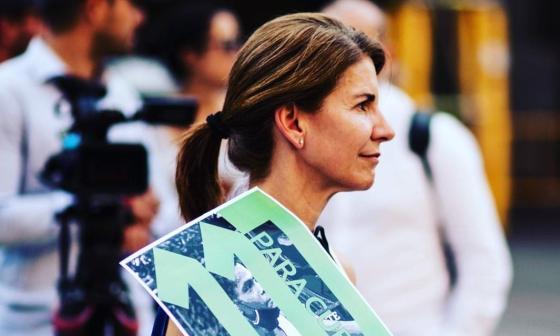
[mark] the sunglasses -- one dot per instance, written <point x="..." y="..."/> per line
<point x="229" y="46"/>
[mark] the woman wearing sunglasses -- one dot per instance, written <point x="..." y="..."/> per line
<point x="198" y="43"/>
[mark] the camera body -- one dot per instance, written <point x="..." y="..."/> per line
<point x="99" y="169"/>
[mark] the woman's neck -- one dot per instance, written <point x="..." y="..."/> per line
<point x="306" y="207"/>
<point x="301" y="193"/>
<point x="75" y="51"/>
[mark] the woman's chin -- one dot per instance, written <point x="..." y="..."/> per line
<point x="366" y="185"/>
<point x="363" y="183"/>
<point x="367" y="181"/>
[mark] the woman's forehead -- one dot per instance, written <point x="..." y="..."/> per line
<point x="224" y="25"/>
<point x="358" y="80"/>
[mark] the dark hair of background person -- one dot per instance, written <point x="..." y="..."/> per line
<point x="18" y="24"/>
<point x="181" y="27"/>
<point x="16" y="10"/>
<point x="253" y="13"/>
<point x="60" y="15"/>
<point x="295" y="59"/>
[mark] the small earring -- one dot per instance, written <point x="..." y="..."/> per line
<point x="300" y="141"/>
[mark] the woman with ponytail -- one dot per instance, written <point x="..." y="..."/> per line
<point x="301" y="118"/>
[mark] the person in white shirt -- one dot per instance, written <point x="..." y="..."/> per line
<point x="79" y="35"/>
<point x="392" y="233"/>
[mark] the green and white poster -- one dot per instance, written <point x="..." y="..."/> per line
<point x="247" y="268"/>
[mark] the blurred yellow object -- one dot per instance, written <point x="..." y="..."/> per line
<point x="483" y="74"/>
<point x="483" y="69"/>
<point x="411" y="36"/>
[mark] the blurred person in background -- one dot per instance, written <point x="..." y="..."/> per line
<point x="197" y="43"/>
<point x="18" y="24"/>
<point x="394" y="233"/>
<point x="78" y="36"/>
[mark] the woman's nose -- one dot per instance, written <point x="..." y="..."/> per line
<point x="382" y="131"/>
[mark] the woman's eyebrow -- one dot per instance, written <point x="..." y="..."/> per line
<point x="369" y="97"/>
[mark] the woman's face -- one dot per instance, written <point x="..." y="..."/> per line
<point x="214" y="64"/>
<point x="343" y="139"/>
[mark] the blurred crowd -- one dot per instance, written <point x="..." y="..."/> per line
<point x="426" y="243"/>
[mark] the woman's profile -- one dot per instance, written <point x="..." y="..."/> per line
<point x="301" y="118"/>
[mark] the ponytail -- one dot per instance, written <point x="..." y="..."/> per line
<point x="196" y="176"/>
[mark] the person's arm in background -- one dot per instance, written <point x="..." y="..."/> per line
<point x="144" y="208"/>
<point x="472" y="228"/>
<point x="24" y="219"/>
<point x="168" y="218"/>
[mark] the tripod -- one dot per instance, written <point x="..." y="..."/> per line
<point x="95" y="301"/>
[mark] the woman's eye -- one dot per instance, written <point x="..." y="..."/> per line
<point x="363" y="106"/>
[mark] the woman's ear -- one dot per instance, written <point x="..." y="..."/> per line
<point x="287" y="119"/>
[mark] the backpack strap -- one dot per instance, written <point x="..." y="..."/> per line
<point x="320" y="235"/>
<point x="419" y="139"/>
<point x="160" y="324"/>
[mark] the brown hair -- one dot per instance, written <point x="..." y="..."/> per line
<point x="294" y="59"/>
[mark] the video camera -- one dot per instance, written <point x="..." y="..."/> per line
<point x="89" y="164"/>
<point x="100" y="175"/>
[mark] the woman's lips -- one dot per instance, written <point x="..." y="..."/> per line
<point x="374" y="158"/>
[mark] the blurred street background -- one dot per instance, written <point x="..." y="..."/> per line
<point x="495" y="65"/>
